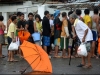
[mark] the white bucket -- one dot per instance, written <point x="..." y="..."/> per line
<point x="36" y="36"/>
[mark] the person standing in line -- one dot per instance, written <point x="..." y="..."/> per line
<point x="2" y="38"/>
<point x="87" y="18"/>
<point x="70" y="45"/>
<point x="38" y="27"/>
<point x="85" y="36"/>
<point x="76" y="39"/>
<point x="30" y="23"/>
<point x="11" y="37"/>
<point x="21" y="27"/>
<point x="46" y="30"/>
<point x="64" y="35"/>
<point x="57" y="32"/>
<point x="95" y="26"/>
<point x="52" y="32"/>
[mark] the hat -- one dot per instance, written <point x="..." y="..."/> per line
<point x="57" y="12"/>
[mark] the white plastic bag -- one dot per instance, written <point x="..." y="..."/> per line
<point x="13" y="46"/>
<point x="82" y="50"/>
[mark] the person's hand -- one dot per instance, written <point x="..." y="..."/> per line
<point x="83" y="40"/>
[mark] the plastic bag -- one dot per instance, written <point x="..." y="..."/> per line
<point x="13" y="46"/>
<point x="82" y="50"/>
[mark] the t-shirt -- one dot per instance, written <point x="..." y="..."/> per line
<point x="12" y="28"/>
<point x="51" y="23"/>
<point x="46" y="26"/>
<point x="21" y="24"/>
<point x="87" y="19"/>
<point x="80" y="28"/>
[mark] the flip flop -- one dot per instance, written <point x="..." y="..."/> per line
<point x="57" y="56"/>
<point x="86" y="66"/>
<point x="13" y="60"/>
<point x="65" y="57"/>
<point x="2" y="56"/>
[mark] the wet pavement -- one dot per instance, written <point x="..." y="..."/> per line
<point x="60" y="66"/>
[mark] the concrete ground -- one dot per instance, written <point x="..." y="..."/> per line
<point x="60" y="66"/>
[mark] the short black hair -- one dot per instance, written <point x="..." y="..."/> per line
<point x="64" y="14"/>
<point x="70" y="12"/>
<point x="13" y="18"/>
<point x="1" y="18"/>
<point x="99" y="14"/>
<point x="21" y="14"/>
<point x="46" y="12"/>
<point x="95" y="11"/>
<point x="38" y="16"/>
<point x="30" y="14"/>
<point x="51" y="15"/>
<point x="18" y="13"/>
<point x="87" y="11"/>
<point x="78" y="12"/>
<point x="10" y="16"/>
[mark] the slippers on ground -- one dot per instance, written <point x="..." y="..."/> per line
<point x="13" y="60"/>
<point x="2" y="56"/>
<point x="65" y="57"/>
<point x="57" y="56"/>
<point x="87" y="66"/>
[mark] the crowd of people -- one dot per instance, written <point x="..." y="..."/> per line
<point x="65" y="34"/>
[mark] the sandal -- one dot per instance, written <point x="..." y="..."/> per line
<point x="87" y="66"/>
<point x="57" y="56"/>
<point x="13" y="60"/>
<point x="2" y="56"/>
<point x="65" y="57"/>
<point x="81" y="65"/>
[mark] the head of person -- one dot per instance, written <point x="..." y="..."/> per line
<point x="18" y="14"/>
<point x="14" y="19"/>
<point x="30" y="16"/>
<point x="72" y="18"/>
<point x="1" y="18"/>
<point x="70" y="12"/>
<point x="38" y="18"/>
<point x="86" y="11"/>
<point x="46" y="13"/>
<point x="10" y="16"/>
<point x="57" y="13"/>
<point x="64" y="15"/>
<point x="78" y="12"/>
<point x="51" y="16"/>
<point x="22" y="16"/>
<point x="95" y="11"/>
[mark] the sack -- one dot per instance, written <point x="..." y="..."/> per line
<point x="13" y="46"/>
<point x="82" y="50"/>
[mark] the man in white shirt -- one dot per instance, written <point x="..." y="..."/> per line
<point x="85" y="35"/>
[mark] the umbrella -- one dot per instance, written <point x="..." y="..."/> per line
<point x="99" y="46"/>
<point x="36" y="57"/>
<point x="23" y="35"/>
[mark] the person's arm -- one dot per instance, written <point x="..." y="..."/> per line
<point x="86" y="31"/>
<point x="35" y="29"/>
<point x="73" y="31"/>
<point x="97" y="24"/>
<point x="89" y="25"/>
<point x="66" y="28"/>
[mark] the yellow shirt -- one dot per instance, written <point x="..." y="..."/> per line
<point x="12" y="28"/>
<point x="87" y="19"/>
<point x="39" y="26"/>
<point x="64" y="24"/>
